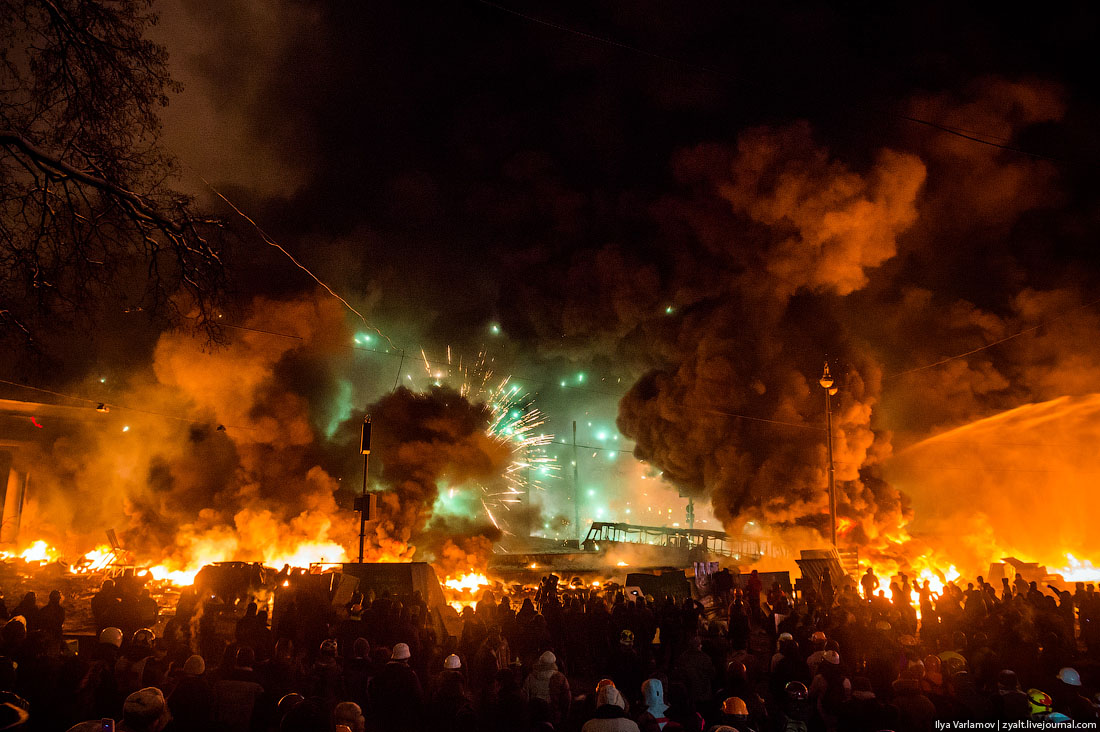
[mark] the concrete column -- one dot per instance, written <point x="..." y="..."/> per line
<point x="18" y="482"/>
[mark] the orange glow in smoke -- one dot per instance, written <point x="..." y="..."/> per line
<point x="844" y="525"/>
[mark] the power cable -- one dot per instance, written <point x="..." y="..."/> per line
<point x="949" y="129"/>
<point x="997" y="342"/>
<point x="115" y="405"/>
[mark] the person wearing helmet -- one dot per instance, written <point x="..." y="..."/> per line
<point x="451" y="666"/>
<point x="1010" y="703"/>
<point x="1068" y="698"/>
<point x="395" y="695"/>
<point x="830" y="689"/>
<point x="1041" y="708"/>
<point x="735" y="715"/>
<point x="784" y="638"/>
<point x="129" y="665"/>
<point x="932" y="683"/>
<point x="789" y="665"/>
<point x="626" y="668"/>
<point x="795" y="708"/>
<point x="111" y="637"/>
<point x="864" y="711"/>
<point x="911" y="702"/>
<point x="451" y="706"/>
<point x="1039" y="704"/>
<point x="143" y="638"/>
<point x="817" y="642"/>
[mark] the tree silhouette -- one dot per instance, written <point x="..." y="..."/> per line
<point x="87" y="221"/>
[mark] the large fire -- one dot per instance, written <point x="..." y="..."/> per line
<point x="462" y="591"/>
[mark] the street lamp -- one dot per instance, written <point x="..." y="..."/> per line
<point x="826" y="382"/>
<point x="364" y="500"/>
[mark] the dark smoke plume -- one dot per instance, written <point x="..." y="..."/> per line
<point x="421" y="440"/>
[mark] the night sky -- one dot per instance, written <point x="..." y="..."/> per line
<point x="680" y="209"/>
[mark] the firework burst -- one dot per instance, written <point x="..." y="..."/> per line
<point x="514" y="421"/>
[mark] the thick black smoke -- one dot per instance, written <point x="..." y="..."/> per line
<point x="422" y="439"/>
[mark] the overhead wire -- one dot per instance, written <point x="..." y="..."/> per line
<point x="997" y="342"/>
<point x="949" y="129"/>
<point x="117" y="405"/>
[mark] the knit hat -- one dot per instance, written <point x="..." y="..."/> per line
<point x="144" y="707"/>
<point x="548" y="658"/>
<point x="194" y="666"/>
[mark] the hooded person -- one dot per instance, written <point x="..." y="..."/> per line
<point x="610" y="713"/>
<point x="546" y="682"/>
<point x="653" y="707"/>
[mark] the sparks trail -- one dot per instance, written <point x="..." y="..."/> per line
<point x="271" y="242"/>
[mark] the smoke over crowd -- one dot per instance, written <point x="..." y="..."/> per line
<point x="705" y="272"/>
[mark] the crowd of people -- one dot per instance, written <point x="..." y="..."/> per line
<point x="857" y="657"/>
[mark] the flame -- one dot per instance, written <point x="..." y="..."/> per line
<point x="310" y="552"/>
<point x="469" y="582"/>
<point x="460" y="590"/>
<point x="40" y="552"/>
<point x="622" y="564"/>
<point x="96" y="560"/>
<point x="844" y="525"/>
<point x="178" y="577"/>
<point x="1077" y="570"/>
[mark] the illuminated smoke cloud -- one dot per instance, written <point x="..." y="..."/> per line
<point x="826" y="225"/>
<point x="177" y="487"/>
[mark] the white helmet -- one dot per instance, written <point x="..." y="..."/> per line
<point x="1069" y="676"/>
<point x="452" y="662"/>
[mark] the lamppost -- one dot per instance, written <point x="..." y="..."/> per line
<point x="826" y="382"/>
<point x="364" y="501"/>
